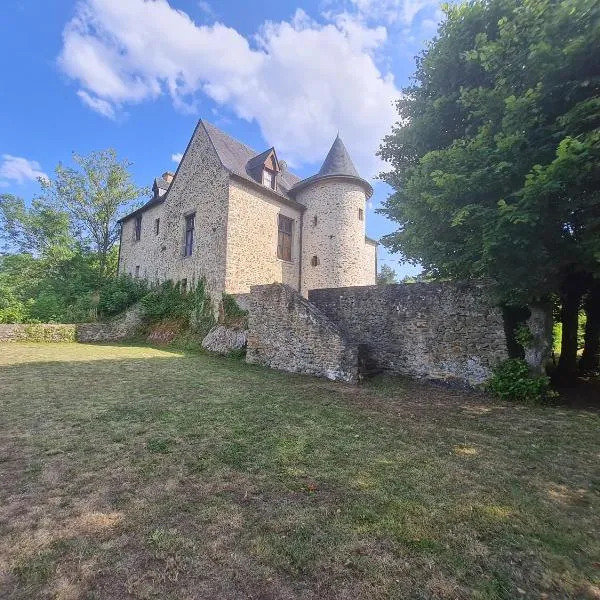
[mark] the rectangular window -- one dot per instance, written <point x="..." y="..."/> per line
<point x="156" y="226"/>
<point x="269" y="178"/>
<point x="137" y="270"/>
<point x="284" y="238"/>
<point x="189" y="235"/>
<point x="361" y="214"/>
<point x="138" y="228"/>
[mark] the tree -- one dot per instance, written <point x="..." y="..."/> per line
<point x="386" y="275"/>
<point x="496" y="156"/>
<point x="95" y="194"/>
<point x="40" y="229"/>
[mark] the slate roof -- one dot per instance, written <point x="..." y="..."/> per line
<point x="337" y="163"/>
<point x="240" y="159"/>
<point x="161" y="184"/>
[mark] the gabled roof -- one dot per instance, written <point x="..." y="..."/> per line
<point x="239" y="159"/>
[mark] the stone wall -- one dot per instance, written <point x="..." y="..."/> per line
<point x="286" y="332"/>
<point x="38" y="332"/>
<point x="333" y="232"/>
<point x="252" y="231"/>
<point x="200" y="186"/>
<point x="444" y="331"/>
<point x="122" y="328"/>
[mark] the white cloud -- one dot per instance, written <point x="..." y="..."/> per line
<point x="19" y="170"/>
<point x="300" y="80"/>
<point x="177" y="157"/>
<point x="99" y="105"/>
<point x="392" y="11"/>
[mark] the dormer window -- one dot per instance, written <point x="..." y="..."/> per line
<point x="268" y="178"/>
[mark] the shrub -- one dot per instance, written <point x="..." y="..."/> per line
<point x="167" y="301"/>
<point x="513" y="381"/>
<point x="202" y="317"/>
<point x="118" y="294"/>
<point x="191" y="309"/>
<point x="232" y="315"/>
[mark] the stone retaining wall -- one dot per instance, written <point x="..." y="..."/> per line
<point x="286" y="332"/>
<point x="126" y="326"/>
<point x="447" y="331"/>
<point x="42" y="332"/>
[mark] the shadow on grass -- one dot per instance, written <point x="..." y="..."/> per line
<point x="219" y="479"/>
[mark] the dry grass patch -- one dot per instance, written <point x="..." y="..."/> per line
<point x="129" y="472"/>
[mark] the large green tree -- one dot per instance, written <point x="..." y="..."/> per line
<point x="496" y="155"/>
<point x="95" y="194"/>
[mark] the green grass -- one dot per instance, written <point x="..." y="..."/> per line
<point x="131" y="472"/>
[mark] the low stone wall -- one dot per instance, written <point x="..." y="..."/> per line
<point x="446" y="331"/>
<point x="121" y="328"/>
<point x="38" y="332"/>
<point x="286" y="332"/>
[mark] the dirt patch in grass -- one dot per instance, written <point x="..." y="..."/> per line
<point x="131" y="472"/>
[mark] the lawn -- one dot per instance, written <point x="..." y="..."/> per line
<point x="132" y="472"/>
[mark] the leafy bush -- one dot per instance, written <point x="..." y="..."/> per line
<point x="513" y="381"/>
<point x="203" y="317"/>
<point x="50" y="333"/>
<point x="170" y="302"/>
<point x="118" y="294"/>
<point x="232" y="315"/>
<point x="167" y="301"/>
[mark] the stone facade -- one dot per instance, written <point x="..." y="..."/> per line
<point x="252" y="240"/>
<point x="287" y="332"/>
<point x="444" y="331"/>
<point x="236" y="222"/>
<point x="200" y="187"/>
<point x="333" y="235"/>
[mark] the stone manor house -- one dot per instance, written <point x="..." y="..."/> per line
<point x="240" y="218"/>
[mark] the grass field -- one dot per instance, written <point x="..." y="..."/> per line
<point x="131" y="472"/>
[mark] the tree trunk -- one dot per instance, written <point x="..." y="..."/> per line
<point x="569" y="315"/>
<point x="590" y="361"/>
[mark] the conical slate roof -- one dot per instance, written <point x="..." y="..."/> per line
<point x="337" y="164"/>
<point x="338" y="161"/>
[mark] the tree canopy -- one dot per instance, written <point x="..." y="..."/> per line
<point x="59" y="257"/>
<point x="496" y="155"/>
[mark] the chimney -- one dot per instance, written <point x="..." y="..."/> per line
<point x="168" y="176"/>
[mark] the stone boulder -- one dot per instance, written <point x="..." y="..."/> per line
<point x="223" y="340"/>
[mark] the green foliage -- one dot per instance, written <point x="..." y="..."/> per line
<point x="495" y="159"/>
<point x="56" y="333"/>
<point x="94" y="194"/>
<point x="232" y="315"/>
<point x="513" y="381"/>
<point x="203" y="314"/>
<point x="39" y="229"/>
<point x="118" y="294"/>
<point x="524" y="336"/>
<point x="386" y="275"/>
<point x="169" y="302"/>
<point x="231" y="308"/>
<point x="557" y="334"/>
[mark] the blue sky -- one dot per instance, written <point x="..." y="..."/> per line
<point x="82" y="75"/>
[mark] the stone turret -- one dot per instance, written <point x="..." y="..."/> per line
<point x="333" y="232"/>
